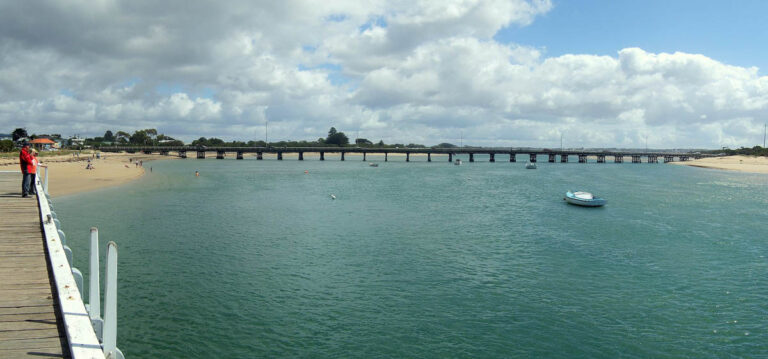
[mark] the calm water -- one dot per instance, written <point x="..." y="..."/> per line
<point x="430" y="260"/>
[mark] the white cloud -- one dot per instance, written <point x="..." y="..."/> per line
<point x="402" y="71"/>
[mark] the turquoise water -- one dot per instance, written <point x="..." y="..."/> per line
<point x="430" y="260"/>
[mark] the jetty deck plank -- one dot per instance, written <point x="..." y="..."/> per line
<point x="29" y="325"/>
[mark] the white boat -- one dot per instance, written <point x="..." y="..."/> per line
<point x="530" y="166"/>
<point x="585" y="199"/>
<point x="457" y="162"/>
<point x="373" y="164"/>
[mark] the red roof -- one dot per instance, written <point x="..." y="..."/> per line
<point x="42" y="140"/>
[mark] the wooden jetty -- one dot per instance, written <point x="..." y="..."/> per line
<point x="528" y="154"/>
<point x="30" y="324"/>
<point x="42" y="313"/>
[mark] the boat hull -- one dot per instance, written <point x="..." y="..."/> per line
<point x="594" y="202"/>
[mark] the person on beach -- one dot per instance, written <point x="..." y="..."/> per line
<point x="197" y="174"/>
<point x="25" y="160"/>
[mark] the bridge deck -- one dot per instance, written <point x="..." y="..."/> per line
<point x="29" y="325"/>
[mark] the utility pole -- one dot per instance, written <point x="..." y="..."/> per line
<point x="765" y="127"/>
<point x="561" y="142"/>
<point x="266" y="136"/>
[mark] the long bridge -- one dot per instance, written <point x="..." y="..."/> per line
<point x="562" y="156"/>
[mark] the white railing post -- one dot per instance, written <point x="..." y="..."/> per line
<point x="45" y="183"/>
<point x="94" y="292"/>
<point x="109" y="343"/>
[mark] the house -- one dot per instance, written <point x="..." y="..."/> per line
<point x="42" y="144"/>
<point x="76" y="141"/>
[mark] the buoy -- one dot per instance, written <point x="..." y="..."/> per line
<point x="333" y="197"/>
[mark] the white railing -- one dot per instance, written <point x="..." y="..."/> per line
<point x="87" y="335"/>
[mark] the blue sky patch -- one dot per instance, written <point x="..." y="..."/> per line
<point x="336" y="17"/>
<point x="377" y="21"/>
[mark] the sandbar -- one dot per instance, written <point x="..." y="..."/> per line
<point x="750" y="164"/>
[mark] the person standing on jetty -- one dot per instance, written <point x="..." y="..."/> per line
<point x="32" y="169"/>
<point x="25" y="161"/>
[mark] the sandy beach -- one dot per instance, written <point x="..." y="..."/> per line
<point x="69" y="174"/>
<point x="749" y="164"/>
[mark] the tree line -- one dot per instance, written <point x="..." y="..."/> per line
<point x="747" y="151"/>
<point x="151" y="137"/>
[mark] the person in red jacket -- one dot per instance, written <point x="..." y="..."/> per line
<point x="25" y="161"/>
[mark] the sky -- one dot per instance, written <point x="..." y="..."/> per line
<point x="509" y="73"/>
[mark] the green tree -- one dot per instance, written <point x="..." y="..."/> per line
<point x="336" y="138"/>
<point x="19" y="133"/>
<point x="151" y="132"/>
<point x="123" y="136"/>
<point x="108" y="136"/>
<point x="6" y="145"/>
<point x="140" y="137"/>
<point x="363" y="142"/>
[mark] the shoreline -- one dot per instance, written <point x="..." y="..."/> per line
<point x="738" y="163"/>
<point x="70" y="176"/>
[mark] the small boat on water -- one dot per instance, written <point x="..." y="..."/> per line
<point x="585" y="199"/>
<point x="373" y="164"/>
<point x="457" y="162"/>
<point x="530" y="166"/>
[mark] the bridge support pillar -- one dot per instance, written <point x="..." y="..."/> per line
<point x="342" y="155"/>
<point x="471" y="157"/>
<point x="279" y="156"/>
<point x="512" y="157"/>
<point x="618" y="158"/>
<point x="429" y="157"/>
<point x="653" y="159"/>
<point x="450" y="157"/>
<point x="600" y="158"/>
<point x="551" y="158"/>
<point x="322" y="156"/>
<point x="164" y="153"/>
<point x="147" y="152"/>
<point x="683" y="158"/>
<point x="636" y="159"/>
<point x="385" y="156"/>
<point x="363" y="156"/>
<point x="259" y="155"/>
<point x="200" y="154"/>
<point x="239" y="155"/>
<point x="563" y="158"/>
<point x="532" y="158"/>
<point x="219" y="155"/>
<point x="301" y="156"/>
<point x="667" y="159"/>
<point x="582" y="158"/>
<point x="407" y="157"/>
<point x="183" y="154"/>
<point x="492" y="159"/>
